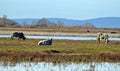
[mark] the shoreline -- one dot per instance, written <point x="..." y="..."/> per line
<point x="4" y="32"/>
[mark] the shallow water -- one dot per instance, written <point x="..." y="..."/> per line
<point x="70" y="66"/>
<point x="61" y="37"/>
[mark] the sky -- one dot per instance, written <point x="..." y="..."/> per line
<point x="70" y="9"/>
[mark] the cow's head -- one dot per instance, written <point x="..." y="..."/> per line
<point x="24" y="38"/>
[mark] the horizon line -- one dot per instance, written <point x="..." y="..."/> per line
<point x="60" y="18"/>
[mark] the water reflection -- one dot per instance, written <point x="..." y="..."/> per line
<point x="47" y="66"/>
<point x="62" y="37"/>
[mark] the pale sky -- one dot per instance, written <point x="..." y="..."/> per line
<point x="71" y="9"/>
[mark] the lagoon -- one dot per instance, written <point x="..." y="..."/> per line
<point x="62" y="37"/>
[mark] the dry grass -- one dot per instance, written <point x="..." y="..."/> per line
<point x="62" y="31"/>
<point x="65" y="29"/>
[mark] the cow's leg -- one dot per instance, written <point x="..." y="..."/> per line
<point x="98" y="40"/>
<point x="12" y="37"/>
<point x="106" y="41"/>
<point x="18" y="38"/>
<point x="106" y="38"/>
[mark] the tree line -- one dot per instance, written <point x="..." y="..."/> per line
<point x="44" y="22"/>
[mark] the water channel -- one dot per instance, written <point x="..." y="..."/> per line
<point x="69" y="66"/>
<point x="62" y="37"/>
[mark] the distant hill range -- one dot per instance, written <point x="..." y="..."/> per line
<point x="105" y="22"/>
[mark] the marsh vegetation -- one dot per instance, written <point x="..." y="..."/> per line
<point x="60" y="50"/>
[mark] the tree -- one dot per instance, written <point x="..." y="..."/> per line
<point x="46" y="23"/>
<point x="88" y="25"/>
<point x="42" y="22"/>
<point x="3" y="21"/>
<point x="59" y="24"/>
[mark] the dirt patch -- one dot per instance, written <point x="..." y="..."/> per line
<point x="51" y="51"/>
<point x="57" y="57"/>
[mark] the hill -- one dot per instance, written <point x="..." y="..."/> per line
<point x="26" y="20"/>
<point x="104" y="22"/>
<point x="8" y="23"/>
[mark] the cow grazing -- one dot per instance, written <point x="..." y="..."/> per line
<point x="45" y="42"/>
<point x="18" y="35"/>
<point x="102" y="36"/>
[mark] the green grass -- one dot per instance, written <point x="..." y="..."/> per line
<point x="64" y="46"/>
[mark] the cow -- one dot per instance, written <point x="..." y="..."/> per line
<point x="45" y="42"/>
<point x="103" y="36"/>
<point x="18" y="35"/>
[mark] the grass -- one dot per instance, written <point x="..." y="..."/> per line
<point x="64" y="46"/>
<point x="59" y="51"/>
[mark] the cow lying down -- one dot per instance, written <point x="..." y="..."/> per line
<point x="45" y="42"/>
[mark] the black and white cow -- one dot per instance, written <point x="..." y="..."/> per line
<point x="18" y="35"/>
<point x="45" y="42"/>
<point x="103" y="36"/>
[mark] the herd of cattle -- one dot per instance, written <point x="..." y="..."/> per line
<point x="20" y="35"/>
